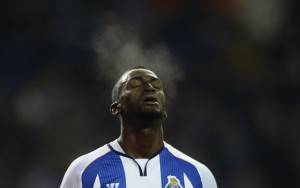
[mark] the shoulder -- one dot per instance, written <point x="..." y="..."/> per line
<point x="72" y="177"/>
<point x="207" y="178"/>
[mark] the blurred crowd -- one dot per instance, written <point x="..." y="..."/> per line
<point x="236" y="107"/>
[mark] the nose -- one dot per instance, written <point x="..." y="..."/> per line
<point x="149" y="87"/>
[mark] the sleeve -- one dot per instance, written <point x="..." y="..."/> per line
<point x="72" y="177"/>
<point x="207" y="178"/>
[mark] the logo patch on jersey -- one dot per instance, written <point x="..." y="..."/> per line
<point x="173" y="182"/>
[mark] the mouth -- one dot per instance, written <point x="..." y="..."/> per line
<point x="150" y="100"/>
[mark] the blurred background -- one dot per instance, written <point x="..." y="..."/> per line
<point x="231" y="70"/>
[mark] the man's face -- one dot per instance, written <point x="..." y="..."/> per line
<point x="142" y="94"/>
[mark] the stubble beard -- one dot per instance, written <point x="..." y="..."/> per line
<point x="146" y="119"/>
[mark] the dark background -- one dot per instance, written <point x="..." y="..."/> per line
<point x="237" y="105"/>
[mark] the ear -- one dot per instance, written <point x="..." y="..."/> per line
<point x="115" y="108"/>
<point x="165" y="114"/>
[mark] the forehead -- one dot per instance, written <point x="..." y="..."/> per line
<point x="137" y="73"/>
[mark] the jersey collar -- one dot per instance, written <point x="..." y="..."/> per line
<point x="116" y="146"/>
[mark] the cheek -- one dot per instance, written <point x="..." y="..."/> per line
<point x="131" y="98"/>
<point x="163" y="98"/>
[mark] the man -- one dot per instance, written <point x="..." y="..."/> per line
<point x="139" y="158"/>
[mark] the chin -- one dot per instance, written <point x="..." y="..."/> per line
<point x="151" y="114"/>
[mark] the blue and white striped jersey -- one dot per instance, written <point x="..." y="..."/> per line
<point x="109" y="167"/>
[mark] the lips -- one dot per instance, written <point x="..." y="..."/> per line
<point x="152" y="100"/>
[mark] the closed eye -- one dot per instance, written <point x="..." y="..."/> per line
<point x="137" y="82"/>
<point x="133" y="83"/>
<point x="156" y="84"/>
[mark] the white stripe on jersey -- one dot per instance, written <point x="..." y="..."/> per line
<point x="97" y="183"/>
<point x="133" y="178"/>
<point x="187" y="182"/>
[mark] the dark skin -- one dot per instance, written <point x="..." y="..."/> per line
<point x="141" y="110"/>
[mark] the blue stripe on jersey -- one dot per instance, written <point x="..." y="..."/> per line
<point x="173" y="166"/>
<point x="108" y="167"/>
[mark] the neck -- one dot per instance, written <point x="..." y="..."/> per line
<point x="141" y="138"/>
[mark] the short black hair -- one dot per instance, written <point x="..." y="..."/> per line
<point x="115" y="94"/>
